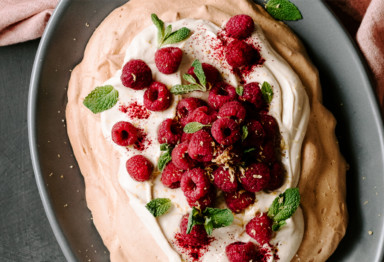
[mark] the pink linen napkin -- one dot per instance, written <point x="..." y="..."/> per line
<point x="23" y="20"/>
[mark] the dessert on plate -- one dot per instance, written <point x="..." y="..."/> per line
<point x="199" y="130"/>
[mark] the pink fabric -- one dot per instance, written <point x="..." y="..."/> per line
<point x="23" y="20"/>
<point x="365" y="21"/>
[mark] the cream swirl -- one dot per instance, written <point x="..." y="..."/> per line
<point x="289" y="107"/>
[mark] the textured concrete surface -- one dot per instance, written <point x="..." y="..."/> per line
<point x="25" y="234"/>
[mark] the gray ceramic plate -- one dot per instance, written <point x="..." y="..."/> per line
<point x="347" y="93"/>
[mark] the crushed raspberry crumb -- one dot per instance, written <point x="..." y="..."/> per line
<point x="225" y="180"/>
<point x="180" y="156"/>
<point x="136" y="74"/>
<point x="256" y="177"/>
<point x="234" y="110"/>
<point x="195" y="184"/>
<point x="238" y="53"/>
<point x="142" y="142"/>
<point x="135" y="111"/>
<point x="240" y="26"/>
<point x="225" y="131"/>
<point x="220" y="94"/>
<point x="157" y="97"/>
<point x="168" y="59"/>
<point x="170" y="132"/>
<point x="239" y="200"/>
<point x="171" y="176"/>
<point x="186" y="106"/>
<point x="124" y="133"/>
<point x="200" y="146"/>
<point x="260" y="228"/>
<point x="139" y="168"/>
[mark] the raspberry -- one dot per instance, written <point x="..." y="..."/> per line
<point x="265" y="153"/>
<point x="260" y="228"/>
<point x="234" y="110"/>
<point x="200" y="146"/>
<point x="186" y="107"/>
<point x="180" y="157"/>
<point x="136" y="74"/>
<point x="240" y="26"/>
<point x="270" y="126"/>
<point x="212" y="75"/>
<point x="124" y="133"/>
<point x="243" y="252"/>
<point x="171" y="176"/>
<point x="239" y="200"/>
<point x="186" y="137"/>
<point x="238" y="53"/>
<point x="225" y="131"/>
<point x="195" y="184"/>
<point x="220" y="94"/>
<point x="204" y="114"/>
<point x="169" y="132"/>
<point x="252" y="94"/>
<point x="277" y="176"/>
<point x="157" y="97"/>
<point x="139" y="168"/>
<point x="256" y="177"/>
<point x="204" y="202"/>
<point x="256" y="134"/>
<point x="224" y="180"/>
<point x="168" y="59"/>
<point x="197" y="237"/>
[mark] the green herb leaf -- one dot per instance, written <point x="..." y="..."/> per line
<point x="218" y="217"/>
<point x="101" y="98"/>
<point x="160" y="28"/>
<point x="167" y="31"/>
<point x="199" y="72"/>
<point x="165" y="147"/>
<point x="190" y="79"/>
<point x="240" y="90"/>
<point x="249" y="150"/>
<point x="283" y="10"/>
<point x="276" y="226"/>
<point x="193" y="127"/>
<point x="244" y="133"/>
<point x="194" y="218"/>
<point x="177" y="36"/>
<point x="164" y="159"/>
<point x="267" y="92"/>
<point x="208" y="225"/>
<point x="158" y="206"/>
<point x="184" y="89"/>
<point x="284" y="206"/>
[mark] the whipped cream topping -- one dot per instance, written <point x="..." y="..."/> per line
<point x="289" y="107"/>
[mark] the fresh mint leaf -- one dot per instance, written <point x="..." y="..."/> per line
<point x="276" y="226"/>
<point x="193" y="127"/>
<point x="284" y="206"/>
<point x="194" y="218"/>
<point x="249" y="150"/>
<point x="167" y="31"/>
<point x="160" y="28"/>
<point x="177" y="36"/>
<point x="199" y="72"/>
<point x="244" y="133"/>
<point x="165" y="147"/>
<point x="158" y="206"/>
<point x="101" y="98"/>
<point x="208" y="225"/>
<point x="189" y="78"/>
<point x="240" y="90"/>
<point x="184" y="89"/>
<point x="283" y="10"/>
<point x="218" y="217"/>
<point x="267" y="92"/>
<point x="164" y="159"/>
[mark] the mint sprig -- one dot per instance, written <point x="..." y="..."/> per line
<point x="211" y="218"/>
<point x="267" y="91"/>
<point x="165" y="36"/>
<point x="166" y="157"/>
<point x="101" y="98"/>
<point x="159" y="206"/>
<point x="283" y="207"/>
<point x="239" y="90"/>
<point x="193" y="85"/>
<point x="244" y="133"/>
<point x="193" y="127"/>
<point x="283" y="10"/>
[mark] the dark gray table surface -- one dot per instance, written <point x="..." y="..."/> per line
<point x="25" y="234"/>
